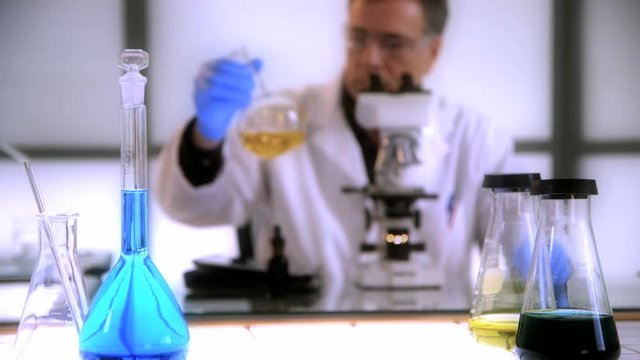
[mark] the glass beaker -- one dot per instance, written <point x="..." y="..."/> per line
<point x="566" y="312"/>
<point x="47" y="316"/>
<point x="499" y="290"/>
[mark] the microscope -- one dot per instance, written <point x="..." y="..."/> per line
<point x="393" y="255"/>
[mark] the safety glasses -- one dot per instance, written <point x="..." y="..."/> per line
<point x="392" y="44"/>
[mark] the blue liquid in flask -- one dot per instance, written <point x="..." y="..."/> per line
<point x="134" y="315"/>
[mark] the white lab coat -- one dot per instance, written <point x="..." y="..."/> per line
<point x="301" y="190"/>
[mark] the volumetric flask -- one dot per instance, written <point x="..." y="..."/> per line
<point x="566" y="312"/>
<point x="134" y="314"/>
<point x="504" y="264"/>
<point x="47" y="317"/>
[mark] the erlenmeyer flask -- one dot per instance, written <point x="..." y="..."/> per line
<point x="566" y="312"/>
<point x="47" y="317"/>
<point x="134" y="314"/>
<point x="504" y="264"/>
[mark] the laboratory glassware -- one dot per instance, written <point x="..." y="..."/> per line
<point x="77" y="312"/>
<point x="271" y="126"/>
<point x="48" y="314"/>
<point x="134" y="314"/>
<point x="273" y="123"/>
<point x="504" y="264"/>
<point x="278" y="266"/>
<point x="566" y="312"/>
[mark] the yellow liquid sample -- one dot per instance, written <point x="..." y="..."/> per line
<point x="268" y="145"/>
<point x="498" y="330"/>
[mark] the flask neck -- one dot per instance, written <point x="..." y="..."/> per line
<point x="134" y="222"/>
<point x="64" y="230"/>
<point x="133" y="147"/>
<point x="512" y="226"/>
<point x="565" y="210"/>
<point x="566" y="223"/>
<point x="512" y="206"/>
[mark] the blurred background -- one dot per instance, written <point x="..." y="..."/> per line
<point x="561" y="76"/>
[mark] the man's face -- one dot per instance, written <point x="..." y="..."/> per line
<point x="387" y="37"/>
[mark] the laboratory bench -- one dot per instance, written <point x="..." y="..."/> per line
<point x="343" y="323"/>
<point x="417" y="336"/>
<point x="350" y="323"/>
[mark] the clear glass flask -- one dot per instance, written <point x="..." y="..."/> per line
<point x="566" y="312"/>
<point x="47" y="317"/>
<point x="134" y="314"/>
<point x="273" y="123"/>
<point x="504" y="264"/>
<point x="271" y="126"/>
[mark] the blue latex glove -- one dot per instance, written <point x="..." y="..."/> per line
<point x="560" y="269"/>
<point x="223" y="88"/>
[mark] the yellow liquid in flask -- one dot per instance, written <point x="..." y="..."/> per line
<point x="497" y="330"/>
<point x="268" y="145"/>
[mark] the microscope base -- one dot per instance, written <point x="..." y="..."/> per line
<point x="399" y="275"/>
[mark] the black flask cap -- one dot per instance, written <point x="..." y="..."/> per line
<point x="516" y="182"/>
<point x="561" y="188"/>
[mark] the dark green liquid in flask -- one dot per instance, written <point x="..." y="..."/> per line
<point x="567" y="334"/>
<point x="134" y="314"/>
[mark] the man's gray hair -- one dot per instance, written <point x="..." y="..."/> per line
<point x="435" y="12"/>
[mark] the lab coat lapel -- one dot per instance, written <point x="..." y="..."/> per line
<point x="433" y="149"/>
<point x="336" y="141"/>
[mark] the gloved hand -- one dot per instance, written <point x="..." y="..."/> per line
<point x="560" y="265"/>
<point x="223" y="87"/>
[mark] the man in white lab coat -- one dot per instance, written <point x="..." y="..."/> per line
<point x="207" y="178"/>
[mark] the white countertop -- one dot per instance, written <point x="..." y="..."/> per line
<point x="436" y="337"/>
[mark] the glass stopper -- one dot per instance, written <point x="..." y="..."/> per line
<point x="133" y="59"/>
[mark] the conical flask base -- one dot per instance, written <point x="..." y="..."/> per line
<point x="567" y="334"/>
<point x="134" y="316"/>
